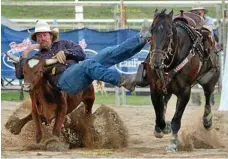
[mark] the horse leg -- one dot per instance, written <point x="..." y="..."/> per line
<point x="207" y="116"/>
<point x="208" y="88"/>
<point x="161" y="126"/>
<point x="182" y="101"/>
<point x="212" y="99"/>
<point x="166" y="100"/>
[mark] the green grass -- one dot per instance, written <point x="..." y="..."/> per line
<point x="110" y="99"/>
<point x="11" y="96"/>
<point x="104" y="12"/>
<point x="132" y="99"/>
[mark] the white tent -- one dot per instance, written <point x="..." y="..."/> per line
<point x="224" y="94"/>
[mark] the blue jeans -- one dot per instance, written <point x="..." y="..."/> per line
<point x="78" y="77"/>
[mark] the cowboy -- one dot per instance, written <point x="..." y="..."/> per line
<point x="73" y="76"/>
<point x="209" y="24"/>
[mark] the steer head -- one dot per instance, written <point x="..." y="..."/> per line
<point x="34" y="70"/>
<point x="33" y="74"/>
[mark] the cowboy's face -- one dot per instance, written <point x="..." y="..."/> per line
<point x="201" y="12"/>
<point x="44" y="39"/>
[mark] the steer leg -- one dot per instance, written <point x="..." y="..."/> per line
<point x="88" y="105"/>
<point x="88" y="99"/>
<point x="38" y="124"/>
<point x="15" y="125"/>
<point x="61" y="113"/>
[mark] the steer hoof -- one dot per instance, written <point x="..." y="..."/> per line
<point x="14" y="125"/>
<point x="39" y="137"/>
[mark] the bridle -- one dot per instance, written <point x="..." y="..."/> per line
<point x="166" y="53"/>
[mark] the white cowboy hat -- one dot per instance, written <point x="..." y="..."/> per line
<point x="199" y="8"/>
<point x="42" y="26"/>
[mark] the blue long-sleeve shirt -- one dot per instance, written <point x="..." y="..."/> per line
<point x="74" y="53"/>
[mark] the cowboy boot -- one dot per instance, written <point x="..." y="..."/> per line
<point x="128" y="82"/>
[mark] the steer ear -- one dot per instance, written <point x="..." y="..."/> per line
<point x="13" y="57"/>
<point x="50" y="61"/>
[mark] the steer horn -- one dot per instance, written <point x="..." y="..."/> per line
<point x="50" y="61"/>
<point x="13" y="57"/>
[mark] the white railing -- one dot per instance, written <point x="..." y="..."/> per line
<point x="70" y="23"/>
<point x="111" y="3"/>
<point x="77" y="21"/>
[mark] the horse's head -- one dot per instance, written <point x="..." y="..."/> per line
<point x="161" y="31"/>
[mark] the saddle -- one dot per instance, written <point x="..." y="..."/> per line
<point x="197" y="24"/>
<point x="192" y="19"/>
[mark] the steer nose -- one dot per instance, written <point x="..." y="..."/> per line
<point x="26" y="87"/>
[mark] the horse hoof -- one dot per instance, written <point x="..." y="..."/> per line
<point x="167" y="128"/>
<point x="207" y="122"/>
<point x="208" y="127"/>
<point x="171" y="148"/>
<point x="158" y="133"/>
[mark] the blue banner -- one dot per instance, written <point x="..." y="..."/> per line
<point x="91" y="41"/>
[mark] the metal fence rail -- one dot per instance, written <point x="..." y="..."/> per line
<point x="111" y="3"/>
<point x="108" y="24"/>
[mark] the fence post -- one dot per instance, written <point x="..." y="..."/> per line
<point x="117" y="92"/>
<point x="116" y="13"/>
<point x="123" y="96"/>
<point x="21" y="91"/>
<point x="220" y="27"/>
<point x="79" y="12"/>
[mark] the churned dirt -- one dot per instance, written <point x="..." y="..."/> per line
<point x="115" y="131"/>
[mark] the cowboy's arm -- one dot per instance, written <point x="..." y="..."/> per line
<point x="210" y="22"/>
<point x="29" y="50"/>
<point x="19" y="66"/>
<point x="74" y="51"/>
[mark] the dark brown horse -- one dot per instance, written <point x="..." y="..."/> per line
<point x="179" y="58"/>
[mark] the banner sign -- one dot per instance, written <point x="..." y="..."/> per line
<point x="91" y="41"/>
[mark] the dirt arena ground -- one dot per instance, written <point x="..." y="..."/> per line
<point x="139" y="121"/>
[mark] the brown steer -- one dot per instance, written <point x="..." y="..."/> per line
<point x="48" y="102"/>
